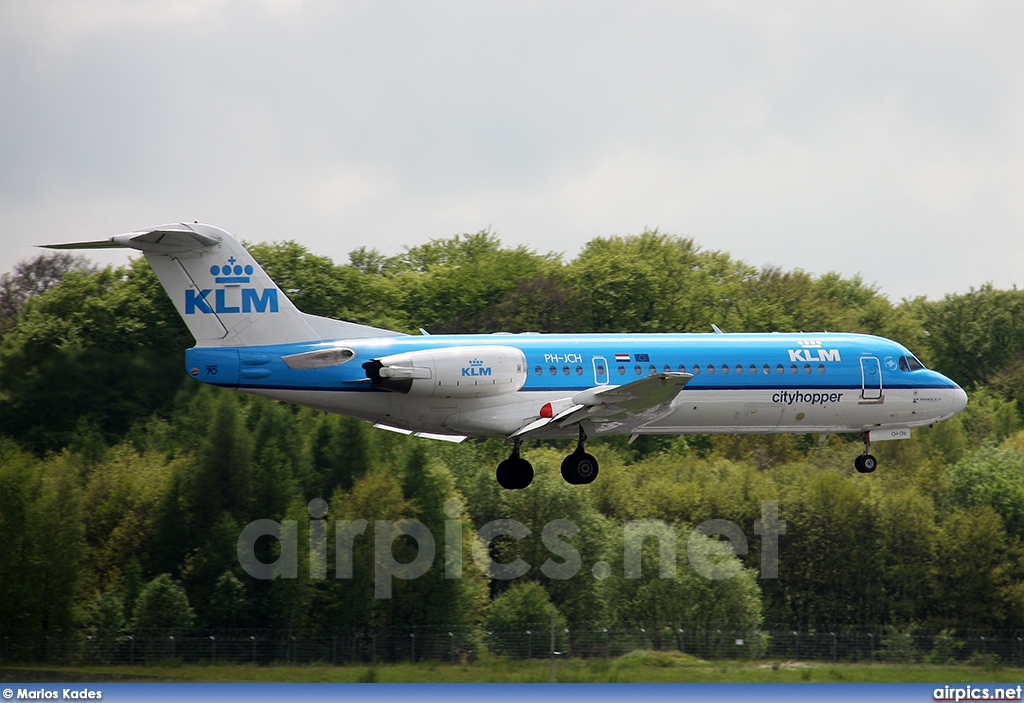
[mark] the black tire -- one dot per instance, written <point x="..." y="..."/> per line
<point x="865" y="463"/>
<point x="514" y="473"/>
<point x="579" y="468"/>
<point x="522" y="473"/>
<point x="504" y="475"/>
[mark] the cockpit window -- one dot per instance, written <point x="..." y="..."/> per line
<point x="909" y="363"/>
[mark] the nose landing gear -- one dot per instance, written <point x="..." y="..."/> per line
<point x="865" y="463"/>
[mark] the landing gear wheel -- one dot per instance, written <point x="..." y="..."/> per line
<point x="515" y="472"/>
<point x="865" y="463"/>
<point x="579" y="468"/>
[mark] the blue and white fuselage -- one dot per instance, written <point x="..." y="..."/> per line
<point x="740" y="382"/>
<point x="251" y="337"/>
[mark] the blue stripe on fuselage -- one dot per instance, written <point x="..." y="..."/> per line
<point x="822" y="361"/>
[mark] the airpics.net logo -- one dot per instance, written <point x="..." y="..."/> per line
<point x="711" y="547"/>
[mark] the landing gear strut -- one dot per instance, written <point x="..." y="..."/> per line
<point x="515" y="472"/>
<point x="579" y="467"/>
<point x="866" y="463"/>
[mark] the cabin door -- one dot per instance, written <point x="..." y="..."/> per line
<point x="871" y="378"/>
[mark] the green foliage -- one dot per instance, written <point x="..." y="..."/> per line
<point x="520" y="621"/>
<point x="124" y="485"/>
<point x="163" y="606"/>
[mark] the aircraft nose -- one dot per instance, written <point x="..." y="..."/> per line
<point x="959" y="400"/>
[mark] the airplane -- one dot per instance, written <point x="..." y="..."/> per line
<point x="250" y="337"/>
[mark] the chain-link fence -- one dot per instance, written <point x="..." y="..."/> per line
<point x="526" y="642"/>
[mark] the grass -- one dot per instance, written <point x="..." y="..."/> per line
<point x="635" y="667"/>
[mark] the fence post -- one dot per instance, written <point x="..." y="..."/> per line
<point x="796" y="644"/>
<point x="833" y="646"/>
<point x="451" y="644"/>
<point x="412" y="636"/>
<point x="643" y="635"/>
<point x="871" y="645"/>
<point x="334" y="650"/>
<point x="131" y="649"/>
<point x="172" y="647"/>
<point x="529" y="644"/>
<point x="253" y="638"/>
<point x="213" y="649"/>
<point x="606" y="649"/>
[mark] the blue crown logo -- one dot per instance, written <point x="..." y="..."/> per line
<point x="475" y="362"/>
<point x="232" y="272"/>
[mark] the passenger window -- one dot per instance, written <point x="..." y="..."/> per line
<point x="779" y="369"/>
<point x="651" y="370"/>
<point x="696" y="370"/>
<point x="753" y="369"/>
<point x="725" y="368"/>
<point x="600" y="369"/>
<point x="668" y="369"/>
<point x="637" y="370"/>
<point x="821" y="368"/>
<point x="767" y="369"/>
<point x="622" y="370"/>
<point x="682" y="368"/>
<point x="565" y="370"/>
<point x="739" y="368"/>
<point x="538" y="370"/>
<point x="579" y="370"/>
<point x="792" y="368"/>
<point x="807" y="368"/>
<point x="554" y="371"/>
<point x="711" y="369"/>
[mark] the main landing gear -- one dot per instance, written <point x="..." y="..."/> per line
<point x="865" y="463"/>
<point x="515" y="472"/>
<point x="578" y="468"/>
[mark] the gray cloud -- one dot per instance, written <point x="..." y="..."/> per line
<point x="878" y="139"/>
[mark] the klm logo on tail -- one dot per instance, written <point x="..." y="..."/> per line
<point x="253" y="299"/>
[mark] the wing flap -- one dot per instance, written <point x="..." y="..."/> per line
<point x="644" y="399"/>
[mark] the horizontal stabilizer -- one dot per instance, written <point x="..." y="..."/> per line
<point x="166" y="239"/>
<point x="101" y="244"/>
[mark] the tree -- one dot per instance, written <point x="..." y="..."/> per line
<point x="33" y="277"/>
<point x="519" y="621"/>
<point x="163" y="607"/>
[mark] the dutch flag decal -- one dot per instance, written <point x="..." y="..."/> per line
<point x="622" y="357"/>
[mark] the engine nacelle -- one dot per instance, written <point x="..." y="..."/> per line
<point x="451" y="372"/>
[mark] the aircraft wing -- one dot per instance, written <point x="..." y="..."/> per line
<point x="640" y="401"/>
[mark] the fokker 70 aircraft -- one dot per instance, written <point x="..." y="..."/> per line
<point x="250" y="336"/>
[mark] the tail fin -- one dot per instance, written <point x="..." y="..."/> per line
<point x="222" y="294"/>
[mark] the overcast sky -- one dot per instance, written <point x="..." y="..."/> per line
<point x="879" y="138"/>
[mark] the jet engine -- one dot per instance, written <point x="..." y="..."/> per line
<point x="451" y="372"/>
